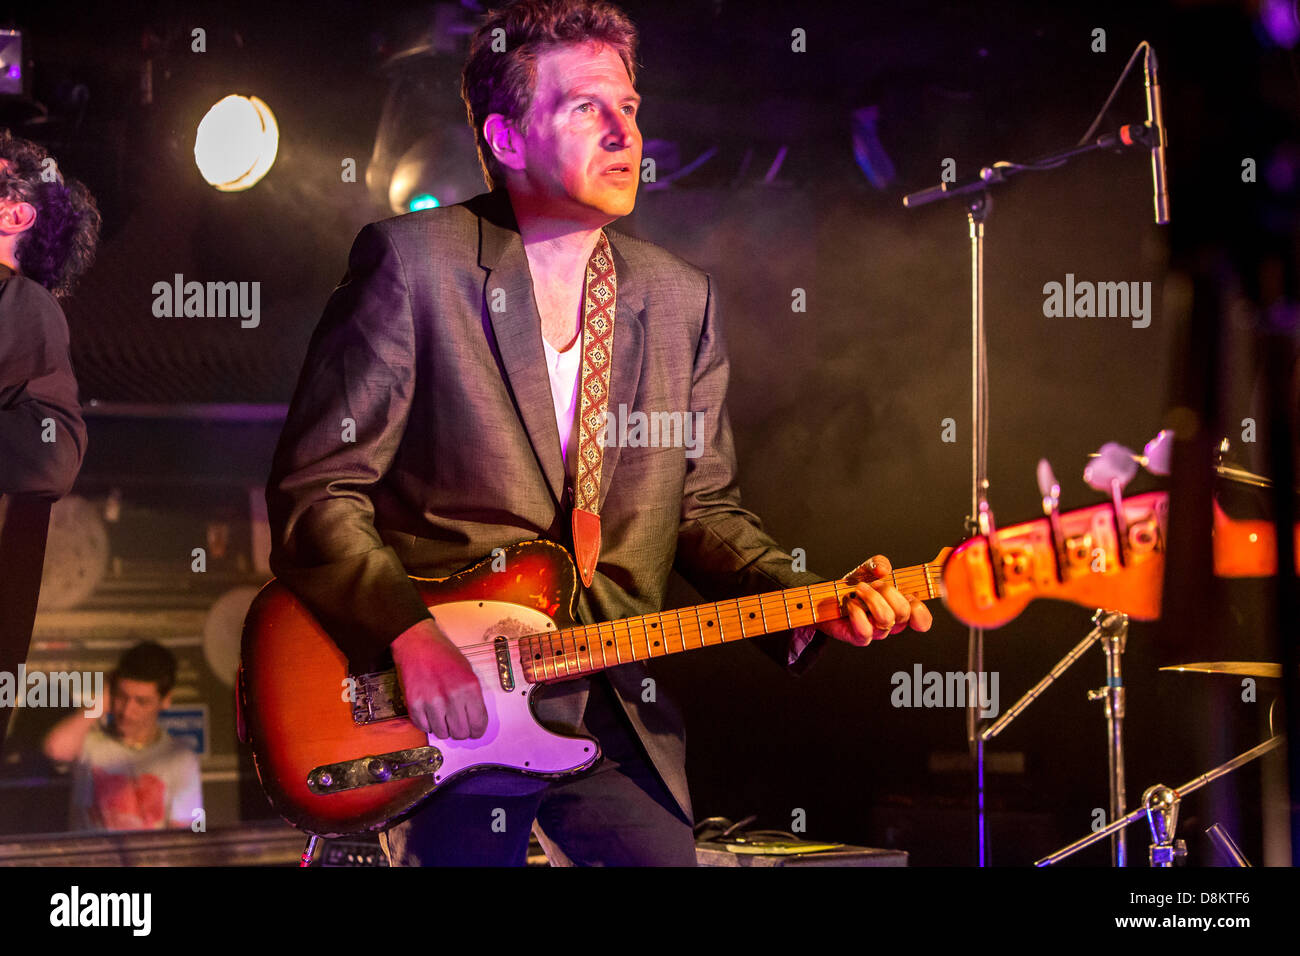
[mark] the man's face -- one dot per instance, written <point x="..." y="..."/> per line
<point x="583" y="121"/>
<point x="136" y="705"/>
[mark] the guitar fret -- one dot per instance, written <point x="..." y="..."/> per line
<point x="655" y="633"/>
<point x="627" y="624"/>
<point x="681" y="628"/>
<point x="584" y="643"/>
<point x="601" y="628"/>
<point x="557" y="657"/>
<point x="545" y="652"/>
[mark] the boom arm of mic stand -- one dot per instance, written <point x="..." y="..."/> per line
<point x="1132" y="135"/>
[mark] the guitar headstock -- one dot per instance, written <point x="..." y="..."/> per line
<point x="1105" y="555"/>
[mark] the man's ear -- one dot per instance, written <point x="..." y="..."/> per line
<point x="16" y="217"/>
<point x="504" y="141"/>
<point x="166" y="702"/>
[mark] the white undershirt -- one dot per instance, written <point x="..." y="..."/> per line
<point x="563" y="368"/>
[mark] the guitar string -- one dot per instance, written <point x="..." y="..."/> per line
<point x="729" y="615"/>
<point x="910" y="580"/>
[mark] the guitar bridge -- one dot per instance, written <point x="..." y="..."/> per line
<point x="381" y="768"/>
<point x="377" y="696"/>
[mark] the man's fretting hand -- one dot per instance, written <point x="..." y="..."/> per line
<point x="443" y="694"/>
<point x="876" y="608"/>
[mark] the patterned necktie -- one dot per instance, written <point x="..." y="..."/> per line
<point x="597" y="354"/>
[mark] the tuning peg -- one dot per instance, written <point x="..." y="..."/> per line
<point x="1114" y="465"/>
<point x="1050" y="489"/>
<point x="1156" y="453"/>
<point x="1048" y="486"/>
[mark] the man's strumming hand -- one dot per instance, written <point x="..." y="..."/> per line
<point x="876" y="608"/>
<point x="443" y="694"/>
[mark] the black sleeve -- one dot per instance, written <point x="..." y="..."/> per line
<point x="42" y="435"/>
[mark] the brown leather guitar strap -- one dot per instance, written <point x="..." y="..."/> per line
<point x="597" y="353"/>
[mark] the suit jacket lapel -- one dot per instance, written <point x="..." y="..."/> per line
<point x="518" y="331"/>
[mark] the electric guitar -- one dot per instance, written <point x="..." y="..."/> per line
<point x="335" y="751"/>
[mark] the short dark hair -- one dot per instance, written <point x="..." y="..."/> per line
<point x="60" y="245"/>
<point x="147" y="661"/>
<point x="503" y="81"/>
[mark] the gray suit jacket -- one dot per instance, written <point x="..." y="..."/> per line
<point x="431" y="350"/>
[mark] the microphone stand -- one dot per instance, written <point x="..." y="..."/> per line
<point x="980" y="519"/>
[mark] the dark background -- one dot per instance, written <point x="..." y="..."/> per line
<point x="837" y="411"/>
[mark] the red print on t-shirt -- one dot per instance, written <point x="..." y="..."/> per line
<point x="123" y="803"/>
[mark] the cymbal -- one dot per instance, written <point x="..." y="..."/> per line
<point x="1242" y="477"/>
<point x="1240" y="668"/>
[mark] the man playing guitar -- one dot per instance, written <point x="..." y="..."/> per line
<point x="438" y="419"/>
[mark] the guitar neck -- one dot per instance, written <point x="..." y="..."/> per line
<point x="586" y="649"/>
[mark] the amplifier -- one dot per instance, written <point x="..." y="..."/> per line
<point x="350" y="851"/>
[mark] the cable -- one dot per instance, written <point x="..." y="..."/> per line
<point x="1110" y="99"/>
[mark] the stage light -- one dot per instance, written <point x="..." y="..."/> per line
<point x="236" y="143"/>
<point x="1281" y="21"/>
<point x="439" y="168"/>
<point x="11" y="62"/>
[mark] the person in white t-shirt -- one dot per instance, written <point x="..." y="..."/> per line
<point x="128" y="773"/>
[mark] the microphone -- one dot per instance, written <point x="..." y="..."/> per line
<point x="1156" y="119"/>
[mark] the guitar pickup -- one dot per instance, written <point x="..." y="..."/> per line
<point x="380" y="768"/>
<point x="501" y="646"/>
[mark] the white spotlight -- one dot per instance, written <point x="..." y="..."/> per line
<point x="236" y="143"/>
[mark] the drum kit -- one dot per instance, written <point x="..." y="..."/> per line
<point x="1110" y="469"/>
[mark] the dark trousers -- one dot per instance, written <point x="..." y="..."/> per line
<point x="24" y="523"/>
<point x="617" y="814"/>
